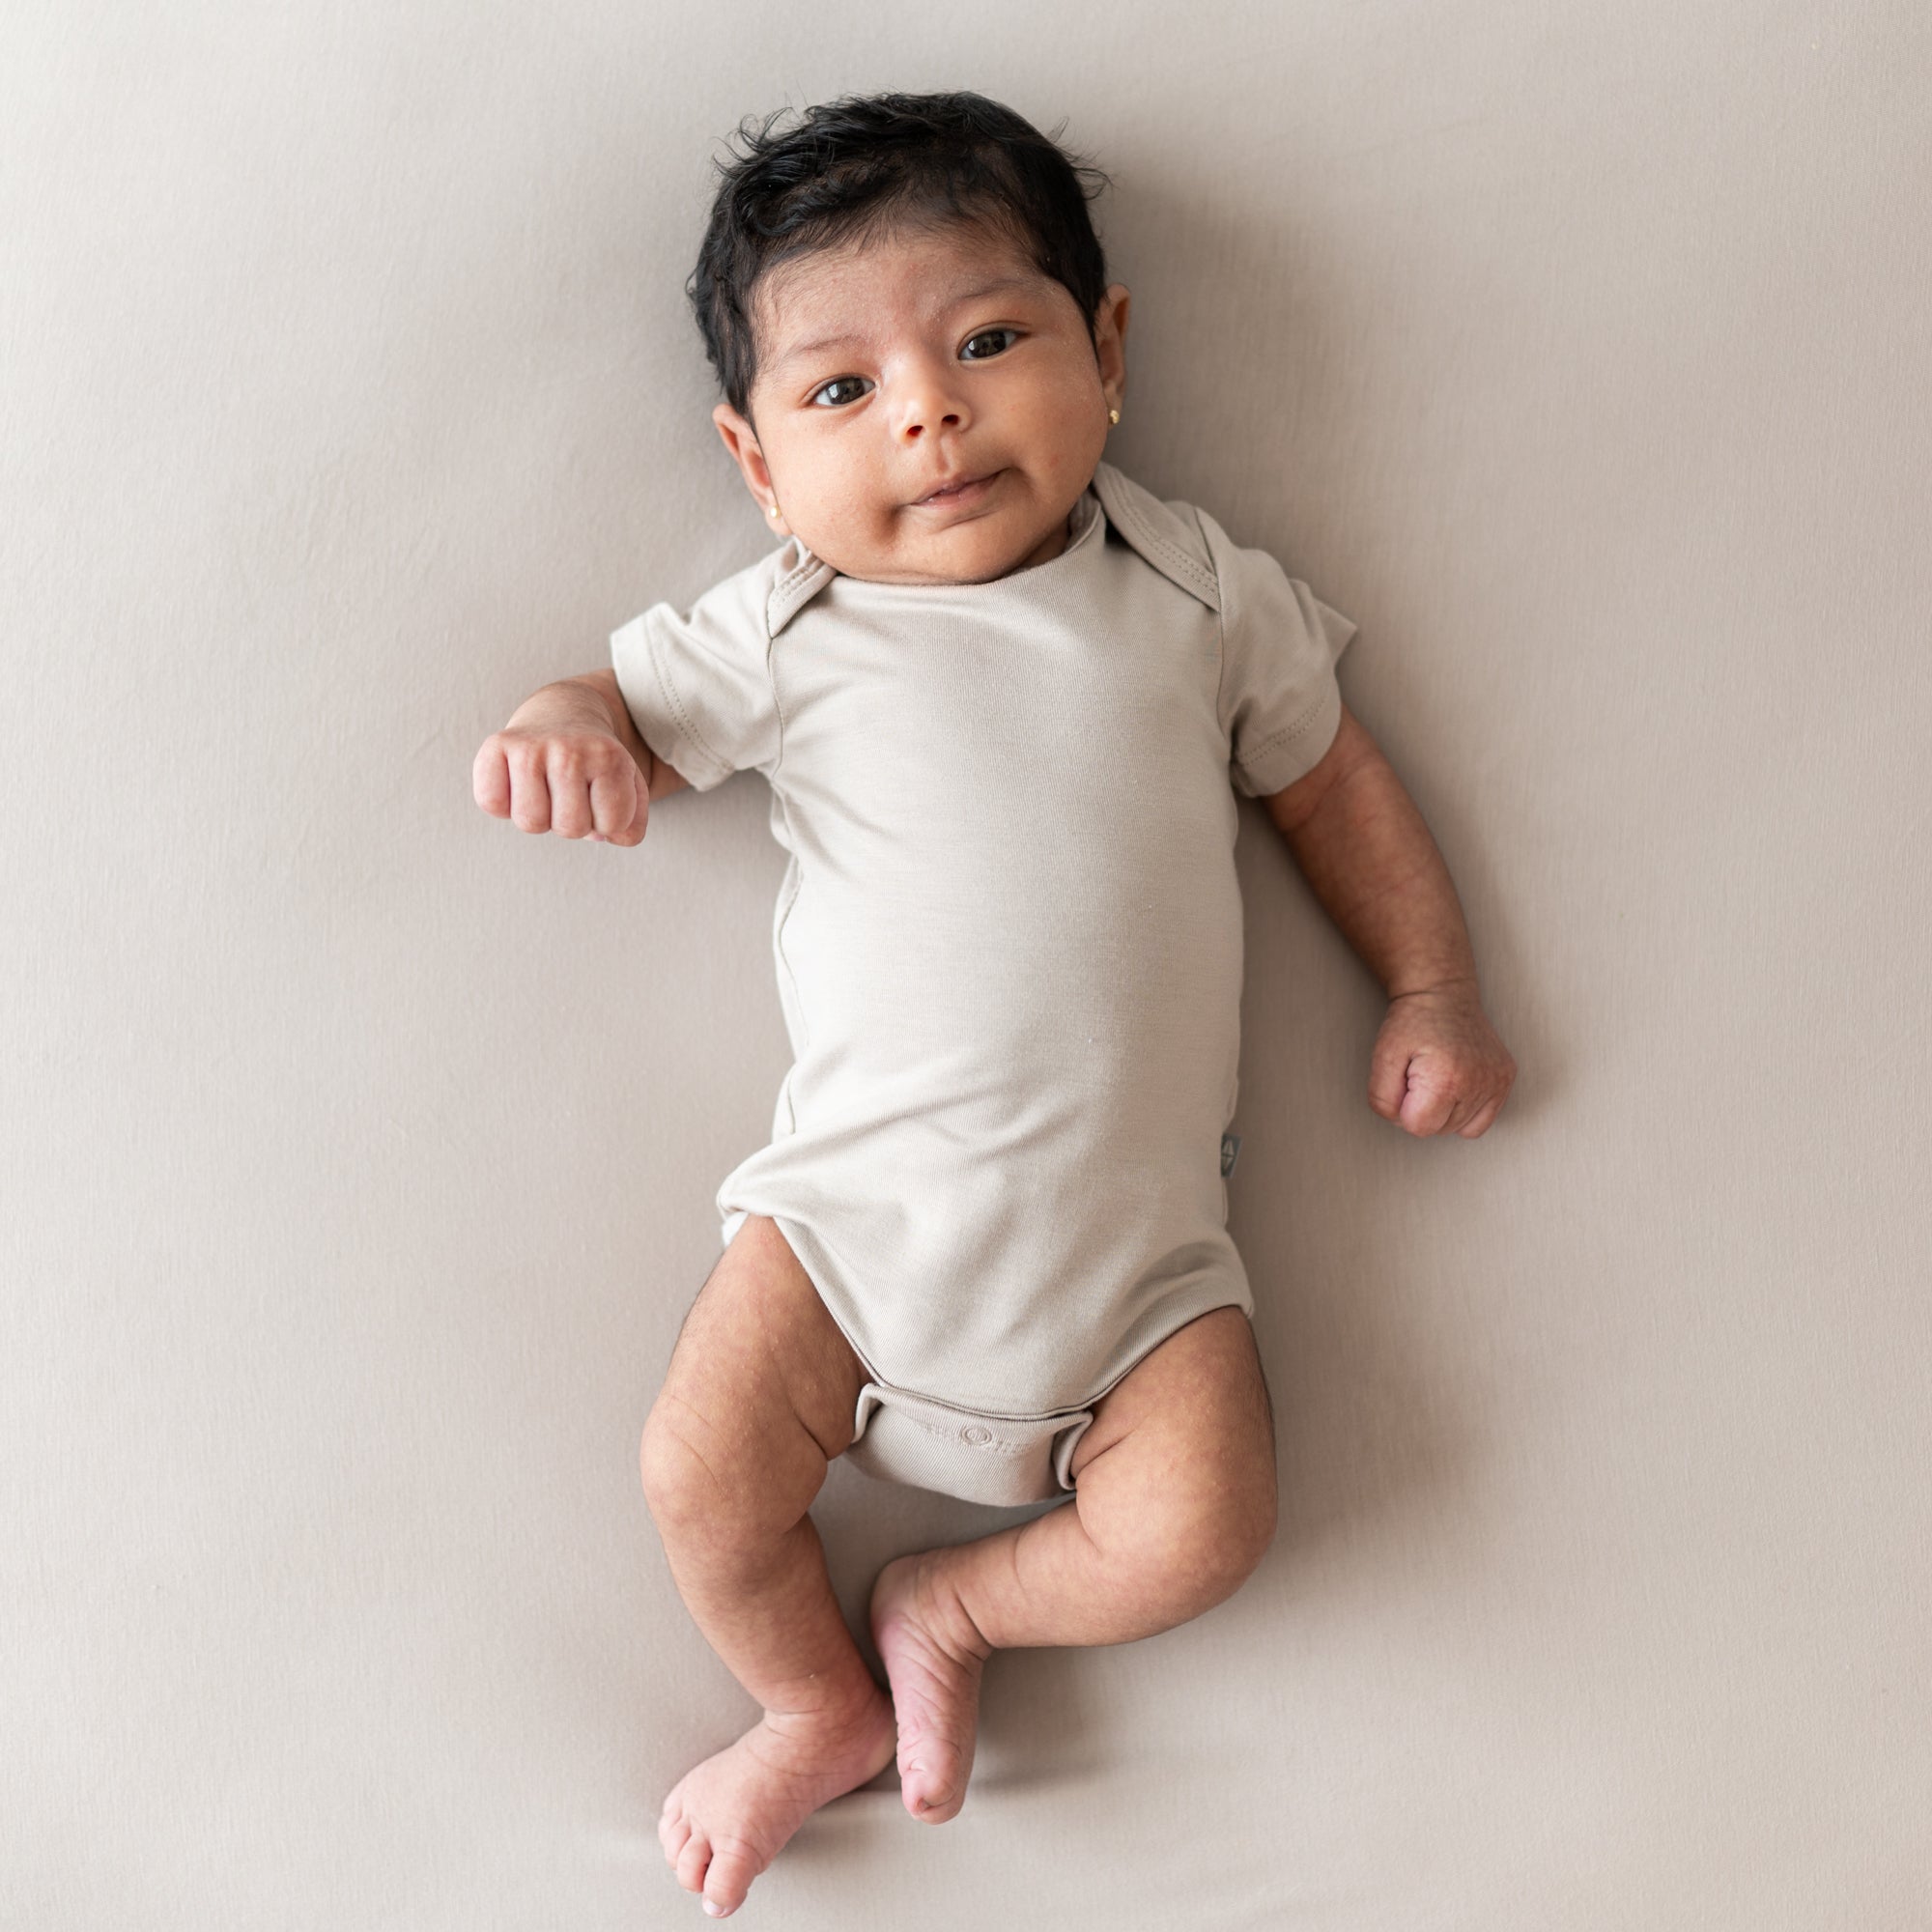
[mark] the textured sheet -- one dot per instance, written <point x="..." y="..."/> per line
<point x="359" y="1148"/>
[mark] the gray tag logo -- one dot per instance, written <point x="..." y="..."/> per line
<point x="1230" y="1152"/>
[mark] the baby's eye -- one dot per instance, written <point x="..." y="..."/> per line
<point x="838" y="383"/>
<point x="986" y="335"/>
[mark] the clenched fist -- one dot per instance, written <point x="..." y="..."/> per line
<point x="1437" y="1065"/>
<point x="558" y="766"/>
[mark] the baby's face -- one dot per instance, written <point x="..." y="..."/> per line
<point x="887" y="371"/>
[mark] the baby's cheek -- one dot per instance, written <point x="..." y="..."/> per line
<point x="1081" y="431"/>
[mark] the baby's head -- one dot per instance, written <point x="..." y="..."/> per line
<point x="903" y="292"/>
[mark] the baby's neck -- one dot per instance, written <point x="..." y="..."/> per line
<point x="1053" y="544"/>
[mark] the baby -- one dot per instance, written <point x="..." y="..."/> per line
<point x="1004" y="700"/>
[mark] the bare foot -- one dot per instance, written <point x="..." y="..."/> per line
<point x="934" y="1655"/>
<point x="726" y="1820"/>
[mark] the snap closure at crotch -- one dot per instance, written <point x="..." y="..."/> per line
<point x="902" y="1438"/>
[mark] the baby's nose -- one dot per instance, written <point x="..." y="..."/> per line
<point x="926" y="400"/>
<point x="915" y="420"/>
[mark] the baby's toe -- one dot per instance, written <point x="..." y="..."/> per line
<point x="733" y="1867"/>
<point x="673" y="1829"/>
<point x="931" y="1785"/>
<point x="693" y="1861"/>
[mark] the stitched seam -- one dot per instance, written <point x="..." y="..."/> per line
<point x="1061" y="1416"/>
<point x="1170" y="551"/>
<point x="805" y="567"/>
<point x="797" y="863"/>
<point x="1220" y="634"/>
<point x="674" y="704"/>
<point x="777" y="708"/>
<point x="1285" y="733"/>
<point x="996" y="1447"/>
<point x="1174" y="554"/>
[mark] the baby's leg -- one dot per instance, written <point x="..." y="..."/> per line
<point x="760" y="1394"/>
<point x="1174" y="1505"/>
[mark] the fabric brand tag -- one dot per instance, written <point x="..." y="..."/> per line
<point x="1230" y="1152"/>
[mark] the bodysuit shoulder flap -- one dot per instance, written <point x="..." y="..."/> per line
<point x="797" y="577"/>
<point x="1166" y="535"/>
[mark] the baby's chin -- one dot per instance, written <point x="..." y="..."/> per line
<point x="977" y="550"/>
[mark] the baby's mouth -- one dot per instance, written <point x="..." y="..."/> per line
<point x="959" y="493"/>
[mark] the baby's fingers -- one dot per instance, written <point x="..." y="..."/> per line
<point x="592" y="784"/>
<point x="1430" y="1103"/>
<point x="1388" y="1078"/>
<point x="1487" y="1112"/>
<point x="490" y="778"/>
<point x="621" y="802"/>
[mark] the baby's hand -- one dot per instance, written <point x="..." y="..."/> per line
<point x="1438" y="1064"/>
<point x="558" y="766"/>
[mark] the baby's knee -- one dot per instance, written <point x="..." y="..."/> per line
<point x="731" y="1485"/>
<point x="681" y="1485"/>
<point x="1228" y="1532"/>
<point x="1203" y="1534"/>
<point x="694" y="1473"/>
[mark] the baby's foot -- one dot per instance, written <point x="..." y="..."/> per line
<point x="725" y="1821"/>
<point x="934" y="1655"/>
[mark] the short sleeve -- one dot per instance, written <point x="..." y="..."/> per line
<point x="1280" y="703"/>
<point x="698" y="683"/>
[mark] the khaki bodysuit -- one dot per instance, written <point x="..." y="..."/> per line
<point x="1008" y="947"/>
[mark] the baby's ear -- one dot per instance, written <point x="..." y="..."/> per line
<point x="740" y="441"/>
<point x="733" y="429"/>
<point x="1111" y="345"/>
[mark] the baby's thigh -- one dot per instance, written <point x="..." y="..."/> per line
<point x="760" y="1393"/>
<point x="1182" y="1450"/>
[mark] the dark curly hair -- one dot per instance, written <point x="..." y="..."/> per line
<point x="858" y="167"/>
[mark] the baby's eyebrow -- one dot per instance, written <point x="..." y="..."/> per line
<point x="820" y="345"/>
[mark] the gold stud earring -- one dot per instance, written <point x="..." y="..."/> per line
<point x="1112" y="415"/>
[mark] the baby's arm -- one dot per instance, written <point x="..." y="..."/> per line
<point x="570" y="761"/>
<point x="1359" y="839"/>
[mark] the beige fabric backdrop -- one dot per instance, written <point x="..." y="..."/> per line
<point x="359" y="1148"/>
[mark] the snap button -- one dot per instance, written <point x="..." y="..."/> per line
<point x="977" y="1433"/>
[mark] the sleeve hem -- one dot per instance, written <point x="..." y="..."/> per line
<point x="1292" y="752"/>
<point x="656" y="709"/>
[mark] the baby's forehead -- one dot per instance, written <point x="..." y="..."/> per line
<point x="938" y="264"/>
